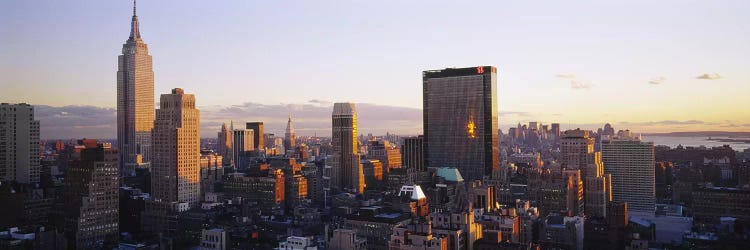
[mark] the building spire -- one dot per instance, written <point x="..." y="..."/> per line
<point x="135" y="32"/>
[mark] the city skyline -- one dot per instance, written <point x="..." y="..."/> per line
<point x="582" y="93"/>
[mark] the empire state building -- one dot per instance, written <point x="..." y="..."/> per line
<point x="135" y="102"/>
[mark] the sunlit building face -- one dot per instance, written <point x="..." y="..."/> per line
<point x="460" y="119"/>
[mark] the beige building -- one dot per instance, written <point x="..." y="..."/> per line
<point x="346" y="172"/>
<point x="577" y="152"/>
<point x="19" y="144"/>
<point x="175" y="172"/>
<point x="135" y="102"/>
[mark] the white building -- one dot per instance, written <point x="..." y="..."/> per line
<point x="630" y="162"/>
<point x="297" y="243"/>
<point x="213" y="239"/>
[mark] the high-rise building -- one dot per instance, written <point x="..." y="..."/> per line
<point x="630" y="161"/>
<point x="242" y="144"/>
<point x="90" y="197"/>
<point x="460" y="120"/>
<point x="577" y="152"/>
<point x="175" y="170"/>
<point x="388" y="154"/>
<point x="346" y="172"/>
<point x="289" y="140"/>
<point x="258" y="138"/>
<point x="135" y="102"/>
<point x="19" y="144"/>
<point x="555" y="129"/>
<point x="225" y="144"/>
<point x="412" y="153"/>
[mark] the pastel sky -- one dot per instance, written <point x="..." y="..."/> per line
<point x="651" y="66"/>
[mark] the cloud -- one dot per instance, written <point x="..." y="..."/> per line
<point x="76" y="122"/>
<point x="709" y="76"/>
<point x="514" y="113"/>
<point x="665" y="122"/>
<point x="575" y="82"/>
<point x="566" y="76"/>
<point x="657" y="80"/>
<point x="313" y="117"/>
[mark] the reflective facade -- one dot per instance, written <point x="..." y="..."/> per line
<point x="460" y="120"/>
<point x="135" y="102"/>
<point x="346" y="170"/>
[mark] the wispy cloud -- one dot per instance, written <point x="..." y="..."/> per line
<point x="665" y="122"/>
<point x="657" y="80"/>
<point x="514" y="113"/>
<point x="709" y="76"/>
<point x="575" y="82"/>
<point x="313" y="117"/>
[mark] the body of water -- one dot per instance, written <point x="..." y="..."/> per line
<point x="696" y="141"/>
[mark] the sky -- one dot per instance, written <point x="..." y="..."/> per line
<point x="650" y="66"/>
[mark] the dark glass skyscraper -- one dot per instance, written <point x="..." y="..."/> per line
<point x="460" y="119"/>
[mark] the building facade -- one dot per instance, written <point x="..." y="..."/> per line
<point x="175" y="170"/>
<point x="460" y="120"/>
<point x="91" y="199"/>
<point x="346" y="171"/>
<point x="19" y="144"/>
<point x="630" y="161"/>
<point x="412" y="153"/>
<point x="135" y="102"/>
<point x="258" y="138"/>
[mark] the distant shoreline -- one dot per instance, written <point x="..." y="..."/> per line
<point x="703" y="134"/>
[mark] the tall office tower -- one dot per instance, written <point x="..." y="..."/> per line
<point x="135" y="102"/>
<point x="630" y="161"/>
<point x="575" y="200"/>
<point x="346" y="170"/>
<point x="242" y="144"/>
<point x="577" y="152"/>
<point x="289" y="142"/>
<point x="388" y="154"/>
<point x="19" y="144"/>
<point x="412" y="153"/>
<point x="257" y="128"/>
<point x="460" y="120"/>
<point x="597" y="195"/>
<point x="555" y="129"/>
<point x="608" y="130"/>
<point x="534" y="126"/>
<point x="91" y="198"/>
<point x="225" y="144"/>
<point x="175" y="171"/>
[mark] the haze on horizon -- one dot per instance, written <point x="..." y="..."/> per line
<point x="647" y="66"/>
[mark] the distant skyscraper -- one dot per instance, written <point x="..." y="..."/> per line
<point x="175" y="181"/>
<point x="135" y="101"/>
<point x="630" y="161"/>
<point x="289" y="141"/>
<point x="460" y="120"/>
<point x="608" y="130"/>
<point x="242" y="145"/>
<point x="555" y="129"/>
<point x="412" y="153"/>
<point x="347" y="173"/>
<point x="19" y="144"/>
<point x="225" y="144"/>
<point x="577" y="152"/>
<point x="258" y="138"/>
<point x="91" y="198"/>
<point x="387" y="154"/>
